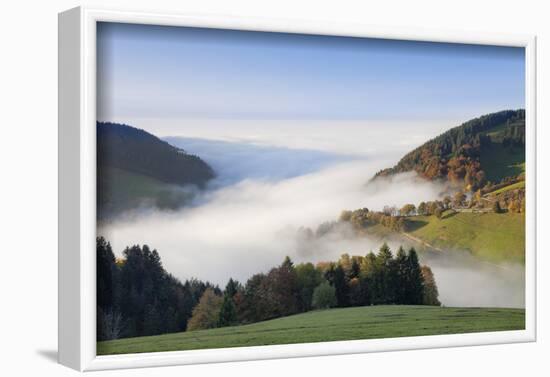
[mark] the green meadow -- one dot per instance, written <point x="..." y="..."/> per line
<point x="367" y="322"/>
<point x="496" y="237"/>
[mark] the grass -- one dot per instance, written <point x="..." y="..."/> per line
<point x="490" y="236"/>
<point x="499" y="161"/>
<point x="121" y="190"/>
<point x="370" y="322"/>
<point x="513" y="186"/>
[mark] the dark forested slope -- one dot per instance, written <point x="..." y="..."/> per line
<point x="124" y="147"/>
<point x="135" y="168"/>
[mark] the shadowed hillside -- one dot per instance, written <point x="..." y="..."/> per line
<point x="135" y="168"/>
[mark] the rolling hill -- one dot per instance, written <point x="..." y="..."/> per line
<point x="485" y="149"/>
<point x="135" y="168"/>
<point x="484" y="158"/>
<point x="495" y="237"/>
<point x="488" y="236"/>
<point x="366" y="322"/>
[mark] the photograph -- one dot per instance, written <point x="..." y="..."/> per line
<point x="263" y="188"/>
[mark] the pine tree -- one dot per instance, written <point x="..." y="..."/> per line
<point x="283" y="289"/>
<point x="108" y="317"/>
<point x="415" y="280"/>
<point x="402" y="283"/>
<point x="228" y="313"/>
<point x="385" y="276"/>
<point x="384" y="256"/>
<point x="341" y="286"/>
<point x="355" y="268"/>
<point x="151" y="321"/>
<point x="232" y="287"/>
<point x="106" y="274"/>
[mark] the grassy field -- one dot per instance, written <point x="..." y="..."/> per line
<point x="499" y="161"/>
<point x="513" y="186"/>
<point x="370" y="322"/>
<point x="491" y="236"/>
<point x="121" y="190"/>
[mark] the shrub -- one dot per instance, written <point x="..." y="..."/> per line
<point x="324" y="296"/>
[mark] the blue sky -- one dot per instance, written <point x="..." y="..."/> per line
<point x="159" y="72"/>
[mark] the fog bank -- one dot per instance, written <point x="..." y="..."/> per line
<point x="247" y="221"/>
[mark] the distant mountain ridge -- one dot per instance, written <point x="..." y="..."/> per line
<point x="488" y="148"/>
<point x="137" y="169"/>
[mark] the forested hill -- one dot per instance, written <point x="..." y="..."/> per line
<point x="490" y="148"/>
<point x="136" y="169"/>
<point x="135" y="150"/>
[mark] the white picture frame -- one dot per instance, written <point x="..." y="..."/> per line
<point x="77" y="190"/>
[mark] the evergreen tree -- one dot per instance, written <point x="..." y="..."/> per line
<point x="341" y="286"/>
<point x="106" y="274"/>
<point x="147" y="300"/>
<point x="384" y="279"/>
<point x="384" y="256"/>
<point x="282" y="290"/>
<point x="356" y="296"/>
<point x="152" y="320"/>
<point x="329" y="273"/>
<point x="228" y="311"/>
<point x="415" y="283"/>
<point x="231" y="288"/>
<point x="255" y="306"/>
<point x="108" y="323"/>
<point x="355" y="268"/>
<point x="368" y="265"/>
<point x="402" y="275"/>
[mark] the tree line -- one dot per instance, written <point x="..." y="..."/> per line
<point x="455" y="154"/>
<point x="137" y="297"/>
<point x="288" y="289"/>
<point x="397" y="219"/>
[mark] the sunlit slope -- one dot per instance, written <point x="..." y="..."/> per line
<point x="488" y="148"/>
<point x="370" y="322"/>
<point x="514" y="186"/>
<point x="490" y="236"/>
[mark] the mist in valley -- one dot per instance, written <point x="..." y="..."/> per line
<point x="250" y="216"/>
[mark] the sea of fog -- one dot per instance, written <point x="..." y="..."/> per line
<point x="246" y="220"/>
